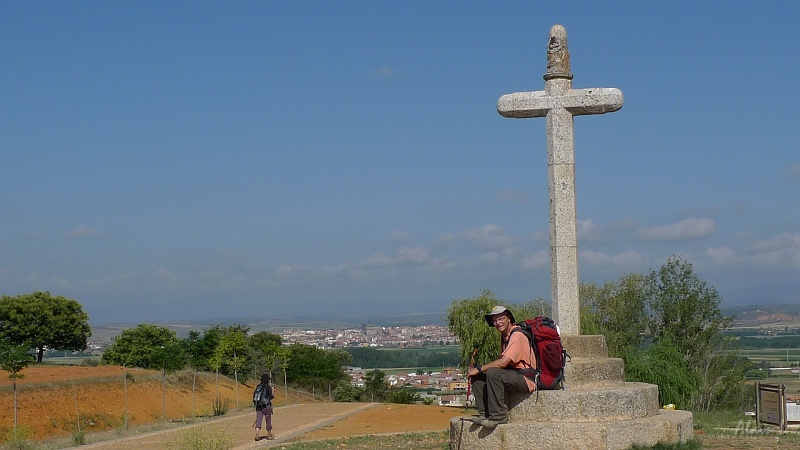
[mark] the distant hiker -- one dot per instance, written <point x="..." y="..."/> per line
<point x="491" y="381"/>
<point x="262" y="400"/>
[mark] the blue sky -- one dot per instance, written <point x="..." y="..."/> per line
<point x="196" y="160"/>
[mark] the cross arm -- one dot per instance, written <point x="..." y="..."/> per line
<point x="579" y="102"/>
<point x="521" y="105"/>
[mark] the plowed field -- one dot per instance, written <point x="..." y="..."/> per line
<point x="62" y="400"/>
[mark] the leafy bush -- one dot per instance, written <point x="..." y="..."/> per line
<point x="346" y="392"/>
<point x="402" y="396"/>
<point x="663" y="365"/>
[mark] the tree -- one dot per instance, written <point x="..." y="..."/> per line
<point x="40" y="320"/>
<point x="142" y="346"/>
<point x="229" y="356"/>
<point x="316" y="368"/>
<point x="668" y="328"/>
<point x="375" y="385"/>
<point x="466" y="320"/>
<point x="684" y="310"/>
<point x="199" y="348"/>
<point x="264" y="352"/>
<point x="169" y="359"/>
<point x="346" y="392"/>
<point x="230" y="351"/>
<point x="617" y="311"/>
<point x="14" y="358"/>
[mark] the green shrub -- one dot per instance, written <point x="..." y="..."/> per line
<point x="402" y="396"/>
<point x="693" y="444"/>
<point x="220" y="406"/>
<point x="195" y="438"/>
<point x="79" y="438"/>
<point x="18" y="440"/>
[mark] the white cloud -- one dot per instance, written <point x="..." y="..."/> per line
<point x="488" y="236"/>
<point x="378" y="260"/>
<point x="693" y="228"/>
<point x="591" y="257"/>
<point x="588" y="231"/>
<point x="414" y="255"/>
<point x="721" y="255"/>
<point x="537" y="260"/>
<point x="404" y="256"/>
<point x="782" y="250"/>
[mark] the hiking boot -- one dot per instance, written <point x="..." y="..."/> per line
<point x="492" y="424"/>
<point x="476" y="419"/>
<point x="270" y="436"/>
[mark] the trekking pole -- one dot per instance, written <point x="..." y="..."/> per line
<point x="469" y="379"/>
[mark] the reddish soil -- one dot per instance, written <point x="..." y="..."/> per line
<point x="389" y="418"/>
<point x="52" y="399"/>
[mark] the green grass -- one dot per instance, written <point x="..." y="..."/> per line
<point x="711" y="421"/>
<point x="439" y="440"/>
<point x="694" y="444"/>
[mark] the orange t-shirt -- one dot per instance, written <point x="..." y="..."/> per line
<point x="519" y="350"/>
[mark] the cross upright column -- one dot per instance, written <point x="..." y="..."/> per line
<point x="559" y="103"/>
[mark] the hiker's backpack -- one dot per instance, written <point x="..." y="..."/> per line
<point x="551" y="357"/>
<point x="261" y="396"/>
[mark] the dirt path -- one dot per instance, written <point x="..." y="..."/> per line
<point x="304" y="422"/>
<point x="288" y="422"/>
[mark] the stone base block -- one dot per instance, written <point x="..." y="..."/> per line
<point x="591" y="371"/>
<point x="665" y="426"/>
<point x="585" y="346"/>
<point x="619" y="401"/>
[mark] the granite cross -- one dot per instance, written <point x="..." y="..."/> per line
<point x="559" y="103"/>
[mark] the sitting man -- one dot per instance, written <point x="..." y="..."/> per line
<point x="491" y="381"/>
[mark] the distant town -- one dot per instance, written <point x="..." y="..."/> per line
<point x="448" y="381"/>
<point x="373" y="336"/>
<point x="416" y="336"/>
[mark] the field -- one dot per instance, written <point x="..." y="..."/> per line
<point x="64" y="400"/>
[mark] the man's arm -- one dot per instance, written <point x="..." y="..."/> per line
<point x="501" y="363"/>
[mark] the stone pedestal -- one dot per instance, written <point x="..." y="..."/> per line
<point x="597" y="410"/>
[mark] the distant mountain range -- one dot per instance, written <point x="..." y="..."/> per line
<point x="773" y="293"/>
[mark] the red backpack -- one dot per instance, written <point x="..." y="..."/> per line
<point x="551" y="357"/>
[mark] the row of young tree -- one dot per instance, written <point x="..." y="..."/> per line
<point x="666" y="326"/>
<point x="389" y="358"/>
<point x="228" y="350"/>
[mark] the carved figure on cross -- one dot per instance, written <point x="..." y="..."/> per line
<point x="559" y="103"/>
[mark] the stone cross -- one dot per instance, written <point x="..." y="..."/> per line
<point x="559" y="103"/>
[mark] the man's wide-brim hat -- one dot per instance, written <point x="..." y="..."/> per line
<point x="496" y="311"/>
